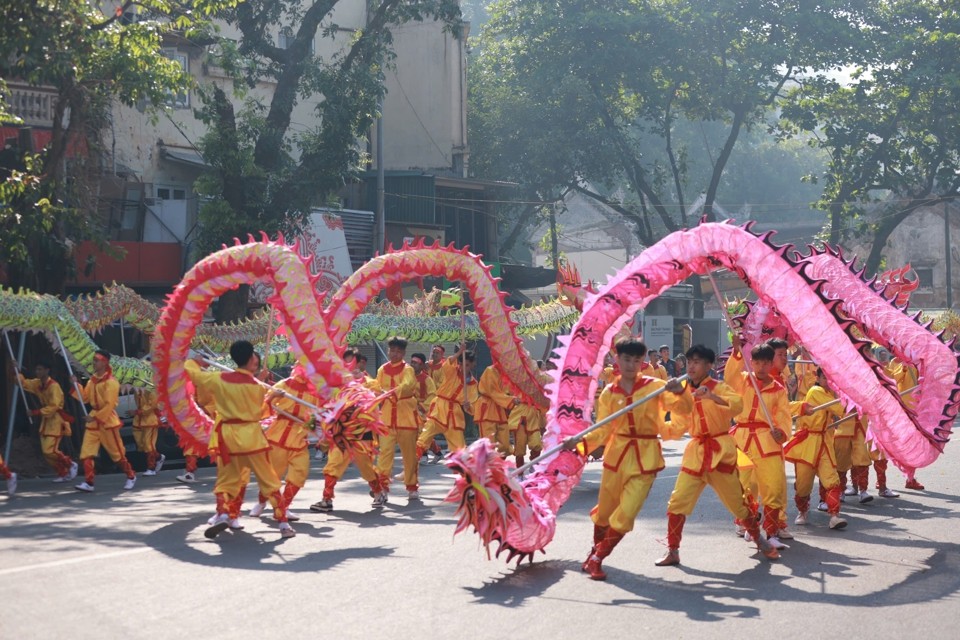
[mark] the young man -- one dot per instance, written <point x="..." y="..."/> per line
<point x="191" y="453"/>
<point x="289" y="455"/>
<point x="652" y="368"/>
<point x="633" y="457"/>
<point x="426" y="392"/>
<point x="446" y="414"/>
<point x="362" y="453"/>
<point x="437" y="356"/>
<point x="146" y="423"/>
<point x="812" y="454"/>
<point x="240" y="440"/>
<point x="525" y="423"/>
<point x="54" y="423"/>
<point x="666" y="362"/>
<point x="710" y="458"/>
<point x="756" y="437"/>
<point x="853" y="455"/>
<point x="102" y="393"/>
<point x="492" y="408"/>
<point x="399" y="413"/>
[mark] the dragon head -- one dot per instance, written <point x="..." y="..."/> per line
<point x="352" y="415"/>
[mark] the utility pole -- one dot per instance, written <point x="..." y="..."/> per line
<point x="947" y="252"/>
<point x="554" y="252"/>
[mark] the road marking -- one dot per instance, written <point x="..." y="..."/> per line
<point x="60" y="563"/>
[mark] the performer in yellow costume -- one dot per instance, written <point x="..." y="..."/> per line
<point x="812" y="453"/>
<point x="710" y="458"/>
<point x="437" y="358"/>
<point x="241" y="444"/>
<point x="446" y="414"/>
<point x="361" y="453"/>
<point x="289" y="454"/>
<point x="492" y="408"/>
<point x="102" y="393"/>
<point x="756" y="437"/>
<point x="633" y="457"/>
<point x="55" y="422"/>
<point x="146" y="423"/>
<point x="426" y="392"/>
<point x="399" y="413"/>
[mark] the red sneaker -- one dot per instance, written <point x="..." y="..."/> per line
<point x="913" y="484"/>
<point x="595" y="569"/>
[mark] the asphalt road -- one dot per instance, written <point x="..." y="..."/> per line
<point x="135" y="564"/>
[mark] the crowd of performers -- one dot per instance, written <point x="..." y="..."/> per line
<point x="743" y="430"/>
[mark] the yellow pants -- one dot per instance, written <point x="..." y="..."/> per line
<point x="293" y="466"/>
<point x="146" y="439"/>
<point x="109" y="439"/>
<point x="851" y="452"/>
<point x="499" y="434"/>
<point x="338" y="461"/>
<point x="803" y="486"/>
<point x="407" y="439"/>
<point x="524" y="439"/>
<point x="771" y="478"/>
<point x="233" y="476"/>
<point x="621" y="498"/>
<point x="454" y="437"/>
<point x="50" y="446"/>
<point x="687" y="490"/>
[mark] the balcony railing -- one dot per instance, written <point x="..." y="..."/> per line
<point x="34" y="105"/>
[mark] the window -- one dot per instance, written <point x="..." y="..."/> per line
<point x="180" y="100"/>
<point x="170" y="193"/>
<point x="286" y="38"/>
<point x="925" y="276"/>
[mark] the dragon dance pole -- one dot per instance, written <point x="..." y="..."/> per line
<point x="613" y="416"/>
<point x="13" y="406"/>
<point x="76" y="386"/>
<point x="16" y="364"/>
<point x="774" y="429"/>
<point x="263" y="384"/>
<point x="854" y="414"/>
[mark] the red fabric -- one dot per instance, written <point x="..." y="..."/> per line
<point x="191" y="465"/>
<point x="880" y="466"/>
<point x="610" y="540"/>
<point x="803" y="503"/>
<point x="860" y="476"/>
<point x="675" y="523"/>
<point x="833" y="501"/>
<point x="771" y="521"/>
<point x="89" y="470"/>
<point x="329" y="482"/>
<point x="152" y="460"/>
<point x="289" y="492"/>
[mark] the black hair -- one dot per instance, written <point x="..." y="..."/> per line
<point x="664" y="346"/>
<point x="419" y="356"/>
<point x="469" y="356"/>
<point x="778" y="343"/>
<point x="763" y="352"/>
<point x="105" y="354"/>
<point x="701" y="352"/>
<point x="360" y="357"/>
<point x="630" y="347"/>
<point x="241" y="351"/>
<point x="397" y="341"/>
<point x="44" y="363"/>
<point x="350" y="352"/>
<point x="819" y="372"/>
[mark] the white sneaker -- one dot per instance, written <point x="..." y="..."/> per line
<point x="747" y="536"/>
<point x="74" y="467"/>
<point x="129" y="483"/>
<point x="740" y="530"/>
<point x="437" y="457"/>
<point x="850" y="491"/>
<point x="213" y="519"/>
<point x="776" y="543"/>
<point x="783" y="534"/>
<point x="12" y="484"/>
<point x="159" y="465"/>
<point x="286" y="531"/>
<point x="398" y="477"/>
<point x="62" y="479"/>
<point x="801" y="518"/>
<point x="413" y="495"/>
<point x="324" y="506"/>
<point x="84" y="486"/>
<point x="380" y="499"/>
<point x="220" y="523"/>
<point x="318" y="455"/>
<point x="187" y="478"/>
<point x="888" y="493"/>
<point x="257" y="509"/>
<point x="823" y="507"/>
<point x="836" y="522"/>
<point x="149" y="472"/>
<point x="235" y="524"/>
<point x="291" y="516"/>
<point x="865" y="497"/>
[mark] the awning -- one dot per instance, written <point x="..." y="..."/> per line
<point x="190" y="157"/>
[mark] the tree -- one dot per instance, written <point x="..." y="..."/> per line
<point x="90" y="58"/>
<point x="892" y="131"/>
<point x="598" y="92"/>
<point x="262" y="176"/>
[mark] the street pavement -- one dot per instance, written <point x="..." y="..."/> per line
<point x="134" y="564"/>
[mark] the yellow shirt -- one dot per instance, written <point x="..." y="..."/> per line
<point x="147" y="414"/>
<point x="494" y="402"/>
<point x="285" y="432"/>
<point x="708" y="423"/>
<point x="426" y="392"/>
<point x="399" y="411"/>
<point x="813" y="440"/>
<point x="102" y="393"/>
<point x="447" y="408"/>
<point x="51" y="405"/>
<point x="631" y="441"/>
<point x="238" y="398"/>
<point x="753" y="428"/>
